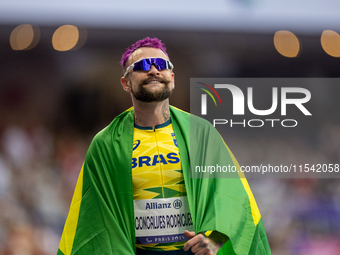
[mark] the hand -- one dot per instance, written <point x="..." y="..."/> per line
<point x="200" y="244"/>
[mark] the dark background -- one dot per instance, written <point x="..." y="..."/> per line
<point x="52" y="103"/>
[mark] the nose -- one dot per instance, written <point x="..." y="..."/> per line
<point x="153" y="70"/>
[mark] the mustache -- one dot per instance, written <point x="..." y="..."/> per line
<point x="160" y="79"/>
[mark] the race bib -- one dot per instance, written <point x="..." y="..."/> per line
<point x="162" y="220"/>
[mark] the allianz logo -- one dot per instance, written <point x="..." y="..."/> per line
<point x="155" y="205"/>
<point x="177" y="204"/>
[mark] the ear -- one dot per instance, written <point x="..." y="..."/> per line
<point x="125" y="83"/>
<point x="173" y="80"/>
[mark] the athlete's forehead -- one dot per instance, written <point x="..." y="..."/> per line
<point x="145" y="52"/>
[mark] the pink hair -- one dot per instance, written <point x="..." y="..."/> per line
<point x="145" y="42"/>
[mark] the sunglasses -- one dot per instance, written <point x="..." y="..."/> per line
<point x="146" y="63"/>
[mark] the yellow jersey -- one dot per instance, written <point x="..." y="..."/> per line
<point x="161" y="207"/>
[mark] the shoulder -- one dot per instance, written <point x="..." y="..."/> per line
<point x="113" y="142"/>
<point x="193" y="122"/>
<point x="114" y="129"/>
<point x="190" y="118"/>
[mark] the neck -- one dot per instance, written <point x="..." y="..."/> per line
<point x="151" y="114"/>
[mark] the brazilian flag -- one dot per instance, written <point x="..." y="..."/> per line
<point x="101" y="216"/>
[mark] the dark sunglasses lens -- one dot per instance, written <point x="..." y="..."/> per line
<point x="160" y="64"/>
<point x="145" y="64"/>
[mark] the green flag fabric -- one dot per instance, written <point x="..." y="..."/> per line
<point x="101" y="216"/>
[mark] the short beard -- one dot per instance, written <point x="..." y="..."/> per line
<point x="144" y="95"/>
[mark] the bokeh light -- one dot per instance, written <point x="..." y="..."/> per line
<point x="330" y="42"/>
<point x="287" y="44"/>
<point x="24" y="37"/>
<point x="68" y="37"/>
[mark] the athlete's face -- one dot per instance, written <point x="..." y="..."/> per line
<point x="148" y="86"/>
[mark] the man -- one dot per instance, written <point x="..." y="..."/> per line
<point x="135" y="193"/>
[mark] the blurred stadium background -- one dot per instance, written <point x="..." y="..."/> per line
<point x="59" y="85"/>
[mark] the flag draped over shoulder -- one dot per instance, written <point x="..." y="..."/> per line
<point x="101" y="216"/>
